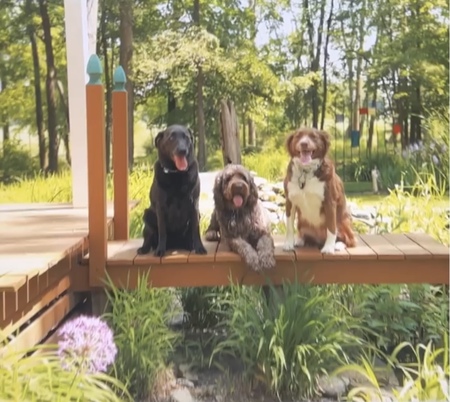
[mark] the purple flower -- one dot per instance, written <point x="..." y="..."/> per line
<point x="86" y="343"/>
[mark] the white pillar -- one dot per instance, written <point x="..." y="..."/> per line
<point x="76" y="22"/>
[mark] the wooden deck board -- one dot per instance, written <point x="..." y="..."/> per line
<point x="384" y="249"/>
<point x="35" y="237"/>
<point x="407" y="246"/>
<point x="362" y="251"/>
<point x="436" y="249"/>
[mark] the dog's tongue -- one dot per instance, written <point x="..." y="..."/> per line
<point x="238" y="201"/>
<point x="306" y="157"/>
<point x="180" y="162"/>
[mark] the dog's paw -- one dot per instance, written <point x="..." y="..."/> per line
<point x="288" y="245"/>
<point x="299" y="242"/>
<point x="159" y="252"/>
<point x="212" y="235"/>
<point x="267" y="261"/>
<point x="200" y="249"/>
<point x="252" y="261"/>
<point x="143" y="250"/>
<point x="339" y="246"/>
<point x="328" y="249"/>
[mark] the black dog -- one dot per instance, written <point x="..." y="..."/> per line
<point x="172" y="220"/>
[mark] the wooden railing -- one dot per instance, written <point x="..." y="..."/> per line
<point x="97" y="178"/>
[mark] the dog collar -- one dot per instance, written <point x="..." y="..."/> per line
<point x="167" y="170"/>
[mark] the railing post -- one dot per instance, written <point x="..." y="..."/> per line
<point x="96" y="150"/>
<point x="120" y="155"/>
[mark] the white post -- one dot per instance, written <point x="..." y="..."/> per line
<point x="76" y="22"/>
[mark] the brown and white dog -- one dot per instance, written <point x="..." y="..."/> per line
<point x="315" y="193"/>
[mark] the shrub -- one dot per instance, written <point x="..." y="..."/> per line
<point x="144" y="341"/>
<point x="287" y="345"/>
<point x="399" y="313"/>
<point x="40" y="376"/>
<point x="15" y="161"/>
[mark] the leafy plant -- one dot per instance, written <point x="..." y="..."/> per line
<point x="287" y="343"/>
<point x="426" y="378"/>
<point x="398" y="313"/>
<point x="139" y="320"/>
<point x="40" y="376"/>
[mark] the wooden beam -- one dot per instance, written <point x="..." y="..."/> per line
<point x="120" y="155"/>
<point x="98" y="232"/>
<point x="42" y="325"/>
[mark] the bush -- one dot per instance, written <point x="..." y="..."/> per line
<point x="15" y="161"/>
<point x="287" y="344"/>
<point x="144" y="341"/>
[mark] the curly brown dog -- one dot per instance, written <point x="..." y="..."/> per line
<point x="240" y="219"/>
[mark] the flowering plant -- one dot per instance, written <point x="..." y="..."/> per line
<point x="86" y="343"/>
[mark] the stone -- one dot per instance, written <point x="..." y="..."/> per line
<point x="181" y="395"/>
<point x="333" y="387"/>
<point x="260" y="181"/>
<point x="278" y="187"/>
<point x="270" y="206"/>
<point x="184" y="382"/>
<point x="185" y="371"/>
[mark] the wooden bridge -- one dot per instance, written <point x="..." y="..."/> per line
<point x="50" y="255"/>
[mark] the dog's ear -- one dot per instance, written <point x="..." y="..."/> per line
<point x="289" y="140"/>
<point x="158" y="138"/>
<point x="253" y="196"/>
<point x="325" y="138"/>
<point x="218" y="192"/>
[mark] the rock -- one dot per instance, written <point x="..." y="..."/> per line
<point x="267" y="195"/>
<point x="278" y="187"/>
<point x="270" y="206"/>
<point x="184" y="382"/>
<point x="333" y="386"/>
<point x="187" y="373"/>
<point x="372" y="395"/>
<point x="260" y="181"/>
<point x="181" y="395"/>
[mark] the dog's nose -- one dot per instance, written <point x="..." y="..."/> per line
<point x="182" y="152"/>
<point x="238" y="185"/>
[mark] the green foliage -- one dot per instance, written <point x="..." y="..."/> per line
<point x="270" y="163"/>
<point x="15" y="161"/>
<point x="139" y="320"/>
<point x="426" y="377"/>
<point x="399" y="313"/>
<point x="286" y="341"/>
<point x="39" y="376"/>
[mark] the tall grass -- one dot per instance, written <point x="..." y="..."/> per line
<point x="286" y="344"/>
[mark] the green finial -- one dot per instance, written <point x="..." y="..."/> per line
<point x="119" y="79"/>
<point x="94" y="69"/>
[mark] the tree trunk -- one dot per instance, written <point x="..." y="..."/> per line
<point x="325" y="77"/>
<point x="314" y="55"/>
<point x="359" y="64"/>
<point x="51" y="86"/>
<point x="229" y="133"/>
<point x="251" y="133"/>
<point x="171" y="107"/>
<point x="5" y="127"/>
<point x="37" y="88"/>
<point x="108" y="118"/>
<point x="126" y="56"/>
<point x="199" y="100"/>
<point x="65" y="134"/>
<point x="372" y="123"/>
